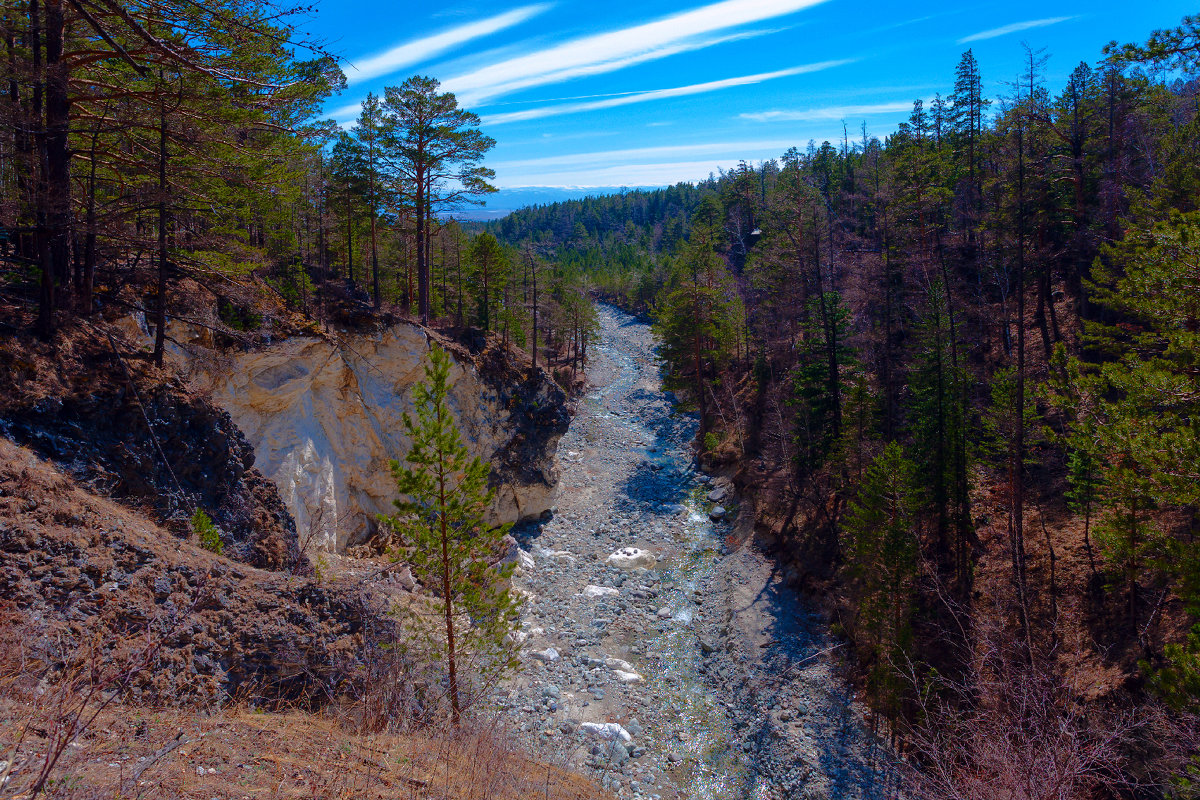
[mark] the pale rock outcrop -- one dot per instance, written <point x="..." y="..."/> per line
<point x="324" y="416"/>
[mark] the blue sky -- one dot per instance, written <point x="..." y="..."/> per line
<point x="579" y="93"/>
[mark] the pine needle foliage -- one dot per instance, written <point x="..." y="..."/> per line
<point x="208" y="533"/>
<point x="452" y="551"/>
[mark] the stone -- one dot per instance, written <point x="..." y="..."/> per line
<point x="599" y="591"/>
<point x="717" y="514"/>
<point x="607" y="731"/>
<point x="627" y="677"/>
<point x="717" y="495"/>
<point x="632" y="558"/>
<point x="324" y="416"/>
<point x="549" y="655"/>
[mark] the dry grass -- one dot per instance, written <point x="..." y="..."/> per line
<point x="130" y="752"/>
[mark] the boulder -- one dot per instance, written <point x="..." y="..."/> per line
<point x="632" y="558"/>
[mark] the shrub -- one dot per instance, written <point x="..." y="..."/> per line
<point x="208" y="533"/>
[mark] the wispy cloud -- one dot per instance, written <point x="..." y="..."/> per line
<point x="656" y="94"/>
<point x="414" y="52"/>
<point x="607" y="52"/>
<point x="831" y="113"/>
<point x="734" y="149"/>
<point x="1016" y="27"/>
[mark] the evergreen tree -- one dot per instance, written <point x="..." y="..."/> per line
<point x="436" y="148"/>
<point x="490" y="269"/>
<point x="695" y="310"/>
<point x="439" y="521"/>
<point x="881" y="552"/>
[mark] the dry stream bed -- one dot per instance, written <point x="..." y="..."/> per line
<point x="652" y="656"/>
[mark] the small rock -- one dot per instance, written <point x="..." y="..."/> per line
<point x="549" y="655"/>
<point x="608" y="731"/>
<point x="717" y="514"/>
<point x="717" y="495"/>
<point x="631" y="558"/>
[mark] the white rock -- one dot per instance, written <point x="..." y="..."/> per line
<point x="599" y="591"/>
<point x="324" y="415"/>
<point x="516" y="637"/>
<point x="525" y="561"/>
<point x="609" y="731"/>
<point x="549" y="655"/>
<point x="556" y="554"/>
<point x="631" y="558"/>
<point x="616" y="663"/>
<point x="404" y="577"/>
<point x="627" y="677"/>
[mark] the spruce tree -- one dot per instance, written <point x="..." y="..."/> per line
<point x="881" y="552"/>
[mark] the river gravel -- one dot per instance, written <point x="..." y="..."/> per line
<point x="653" y="656"/>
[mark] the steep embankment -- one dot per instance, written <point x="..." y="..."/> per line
<point x="99" y="587"/>
<point x="324" y="416"/>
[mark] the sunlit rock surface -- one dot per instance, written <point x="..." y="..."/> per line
<point x="324" y="416"/>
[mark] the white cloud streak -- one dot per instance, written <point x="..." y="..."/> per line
<point x="617" y="157"/>
<point x="415" y="52"/>
<point x="607" y="52"/>
<point x="656" y="94"/>
<point x="828" y="114"/>
<point x="1016" y="27"/>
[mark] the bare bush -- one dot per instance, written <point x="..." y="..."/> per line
<point x="1009" y="729"/>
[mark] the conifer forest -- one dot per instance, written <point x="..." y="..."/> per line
<point x="950" y="370"/>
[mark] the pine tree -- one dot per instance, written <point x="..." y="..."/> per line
<point x="695" y="310"/>
<point x="439" y="521"/>
<point x="1147" y="425"/>
<point x="490" y="267"/>
<point x="435" y="148"/>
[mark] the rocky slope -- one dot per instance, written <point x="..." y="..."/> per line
<point x="179" y="625"/>
<point x="323" y="415"/>
<point x="137" y="434"/>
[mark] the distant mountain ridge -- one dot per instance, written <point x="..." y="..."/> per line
<point x="507" y="200"/>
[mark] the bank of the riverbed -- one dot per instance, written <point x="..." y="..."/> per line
<point x="688" y="668"/>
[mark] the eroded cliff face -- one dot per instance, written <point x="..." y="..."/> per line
<point x="324" y="417"/>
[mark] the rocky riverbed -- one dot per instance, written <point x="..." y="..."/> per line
<point x="655" y="655"/>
